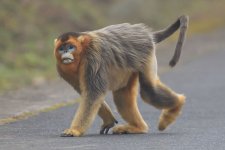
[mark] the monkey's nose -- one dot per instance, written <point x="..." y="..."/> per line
<point x="67" y="58"/>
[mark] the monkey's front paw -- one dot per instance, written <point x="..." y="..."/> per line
<point x="71" y="133"/>
<point x="105" y="127"/>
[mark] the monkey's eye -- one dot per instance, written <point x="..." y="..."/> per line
<point x="70" y="48"/>
<point x="61" y="49"/>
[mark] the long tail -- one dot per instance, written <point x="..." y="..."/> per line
<point x="182" y="23"/>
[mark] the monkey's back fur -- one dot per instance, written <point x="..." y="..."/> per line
<point x="124" y="45"/>
<point x="115" y="51"/>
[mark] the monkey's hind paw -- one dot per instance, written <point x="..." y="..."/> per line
<point x="105" y="127"/>
<point x="168" y="116"/>
<point x="71" y="133"/>
<point x="128" y="129"/>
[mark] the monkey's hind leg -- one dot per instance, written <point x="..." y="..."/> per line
<point x="157" y="94"/>
<point x="125" y="100"/>
<point x="168" y="116"/>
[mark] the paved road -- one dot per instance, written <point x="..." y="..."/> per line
<point x="200" y="75"/>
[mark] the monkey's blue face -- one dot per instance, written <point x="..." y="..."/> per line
<point x="66" y="51"/>
<point x="66" y="48"/>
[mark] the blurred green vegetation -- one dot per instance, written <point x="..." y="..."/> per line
<point x="28" y="28"/>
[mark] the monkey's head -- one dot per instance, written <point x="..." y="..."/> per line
<point x="69" y="49"/>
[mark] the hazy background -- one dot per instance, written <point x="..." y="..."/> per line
<point x="28" y="28"/>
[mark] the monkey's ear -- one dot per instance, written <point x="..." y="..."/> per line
<point x="84" y="40"/>
<point x="55" y="40"/>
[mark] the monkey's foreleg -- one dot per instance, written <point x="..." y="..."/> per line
<point x="84" y="117"/>
<point x="106" y="115"/>
<point x="108" y="119"/>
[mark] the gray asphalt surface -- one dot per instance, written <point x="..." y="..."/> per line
<point x="200" y="76"/>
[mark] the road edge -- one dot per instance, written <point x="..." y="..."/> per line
<point x="28" y="114"/>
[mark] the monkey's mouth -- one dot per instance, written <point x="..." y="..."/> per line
<point x="67" y="58"/>
<point x="67" y="61"/>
